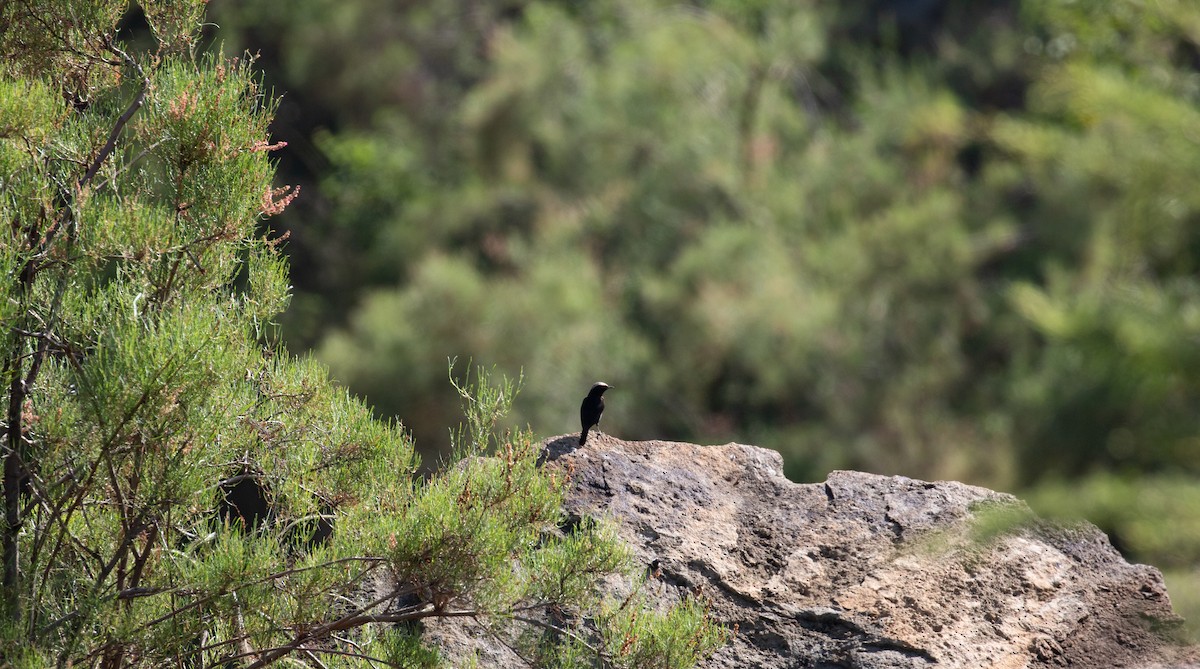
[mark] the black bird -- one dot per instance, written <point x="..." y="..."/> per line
<point x="590" y="410"/>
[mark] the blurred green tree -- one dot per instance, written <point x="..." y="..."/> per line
<point x="939" y="239"/>
<point x="949" y="240"/>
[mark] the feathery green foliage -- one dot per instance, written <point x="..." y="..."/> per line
<point x="177" y="489"/>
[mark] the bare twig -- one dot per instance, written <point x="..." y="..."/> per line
<point x="132" y="161"/>
<point x="270" y="577"/>
<point x="326" y="651"/>
<point x="565" y="632"/>
<point x="312" y="657"/>
<point x="115" y="133"/>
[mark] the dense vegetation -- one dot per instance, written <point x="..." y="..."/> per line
<point x="948" y="240"/>
<point x="178" y="491"/>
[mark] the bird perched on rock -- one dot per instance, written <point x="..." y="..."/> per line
<point x="592" y="407"/>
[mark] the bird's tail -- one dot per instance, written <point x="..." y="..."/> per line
<point x="583" y="436"/>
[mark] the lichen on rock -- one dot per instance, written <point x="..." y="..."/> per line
<point x="869" y="571"/>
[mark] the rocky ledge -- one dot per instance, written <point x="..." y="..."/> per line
<point x="868" y="571"/>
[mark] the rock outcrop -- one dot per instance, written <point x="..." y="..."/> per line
<point x="869" y="571"/>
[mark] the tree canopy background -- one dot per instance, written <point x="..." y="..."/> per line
<point x="945" y="240"/>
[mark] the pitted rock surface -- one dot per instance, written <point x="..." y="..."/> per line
<point x="869" y="571"/>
